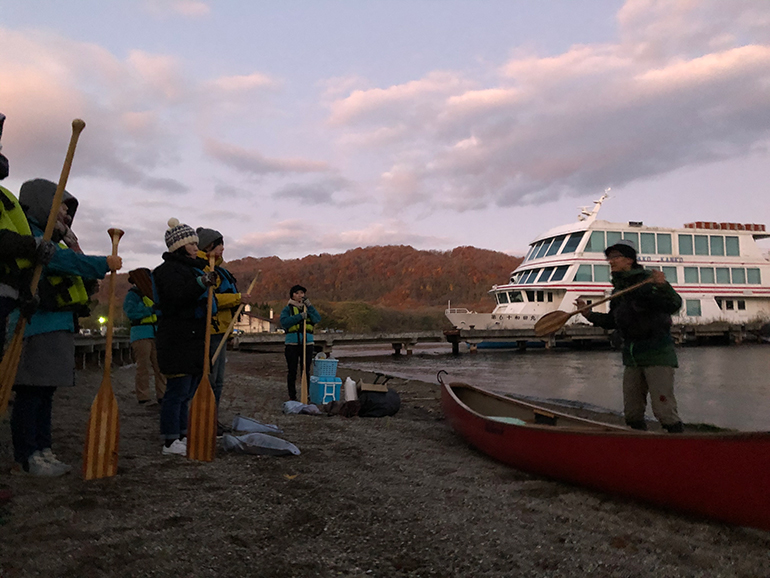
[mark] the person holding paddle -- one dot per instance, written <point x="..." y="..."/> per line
<point x="181" y="287"/>
<point x="48" y="352"/>
<point x="227" y="297"/>
<point x="643" y="319"/>
<point x="297" y="319"/>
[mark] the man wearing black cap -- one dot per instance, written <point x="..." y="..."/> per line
<point x="643" y="319"/>
<point x="297" y="312"/>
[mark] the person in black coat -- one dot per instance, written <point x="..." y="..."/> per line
<point x="181" y="288"/>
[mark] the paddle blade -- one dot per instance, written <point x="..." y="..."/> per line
<point x="8" y="368"/>
<point x="202" y="427"/>
<point x="100" y="454"/>
<point x="551" y="322"/>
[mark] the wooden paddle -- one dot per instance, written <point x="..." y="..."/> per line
<point x="303" y="389"/>
<point x="12" y="355"/>
<point x="100" y="454"/>
<point x="233" y="320"/>
<point x="202" y="427"/>
<point x="554" y="320"/>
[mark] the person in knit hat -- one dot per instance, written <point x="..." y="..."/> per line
<point x="298" y="314"/>
<point x="642" y="317"/>
<point x="181" y="287"/>
<point x="227" y="297"/>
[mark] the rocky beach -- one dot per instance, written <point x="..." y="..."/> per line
<point x="397" y="496"/>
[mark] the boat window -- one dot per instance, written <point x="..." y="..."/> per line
<point x="530" y="276"/>
<point x="613" y="237"/>
<point x="515" y="297"/>
<point x="652" y="267"/>
<point x="555" y="245"/>
<point x="741" y="305"/>
<point x="701" y="245"/>
<point x="729" y="304"/>
<point x="753" y="277"/>
<point x="584" y="273"/>
<point x="670" y="274"/>
<point x="633" y="237"/>
<point x="540" y="296"/>
<point x="690" y="274"/>
<point x="739" y="275"/>
<point x="706" y="274"/>
<point x="601" y="273"/>
<point x="531" y="296"/>
<point x="647" y="243"/>
<point x="693" y="307"/>
<point x="685" y="244"/>
<point x="664" y="243"/>
<point x="717" y="244"/>
<point x="558" y="275"/>
<point x="545" y="274"/>
<point x="543" y="248"/>
<point x="550" y="297"/>
<point x="596" y="242"/>
<point x="572" y="243"/>
<point x="732" y="246"/>
<point x="502" y="297"/>
<point x="719" y="301"/>
<point x="529" y="253"/>
<point x="723" y="275"/>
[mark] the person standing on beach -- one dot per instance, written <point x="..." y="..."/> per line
<point x="643" y="319"/>
<point x="19" y="252"/>
<point x="140" y="309"/>
<point x="181" y="286"/>
<point x="227" y="297"/>
<point x="298" y="317"/>
<point x="48" y="351"/>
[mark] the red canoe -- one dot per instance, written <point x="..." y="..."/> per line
<point x="724" y="476"/>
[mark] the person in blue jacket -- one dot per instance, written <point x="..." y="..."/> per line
<point x="140" y="308"/>
<point x="298" y="312"/>
<point x="48" y="352"/>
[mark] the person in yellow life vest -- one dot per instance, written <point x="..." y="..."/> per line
<point x="298" y="312"/>
<point x="141" y="310"/>
<point x="227" y="299"/>
<point x="20" y="251"/>
<point x="48" y="351"/>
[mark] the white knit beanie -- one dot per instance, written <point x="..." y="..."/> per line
<point x="178" y="235"/>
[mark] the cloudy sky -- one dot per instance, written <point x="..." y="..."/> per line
<point x="318" y="126"/>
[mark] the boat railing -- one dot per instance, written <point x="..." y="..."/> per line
<point x="455" y="310"/>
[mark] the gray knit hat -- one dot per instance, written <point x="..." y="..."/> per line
<point x="178" y="235"/>
<point x="208" y="237"/>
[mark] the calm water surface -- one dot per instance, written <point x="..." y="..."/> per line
<point x="727" y="386"/>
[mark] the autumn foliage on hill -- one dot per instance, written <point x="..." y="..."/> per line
<point x="385" y="285"/>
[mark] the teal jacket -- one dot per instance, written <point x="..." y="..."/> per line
<point x="643" y="319"/>
<point x="64" y="262"/>
<point x="136" y="310"/>
<point x="289" y="319"/>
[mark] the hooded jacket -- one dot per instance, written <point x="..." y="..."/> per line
<point x="36" y="198"/>
<point x="643" y="319"/>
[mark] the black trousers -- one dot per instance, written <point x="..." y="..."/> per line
<point x="31" y="420"/>
<point x="293" y="355"/>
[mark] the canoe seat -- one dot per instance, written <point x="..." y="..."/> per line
<point x="543" y="417"/>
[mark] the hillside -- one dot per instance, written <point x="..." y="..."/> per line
<point x="397" y="278"/>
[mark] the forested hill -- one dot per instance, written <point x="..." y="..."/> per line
<point x="395" y="276"/>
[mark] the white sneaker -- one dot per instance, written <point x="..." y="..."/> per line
<point x="177" y="448"/>
<point x="48" y="455"/>
<point x="41" y="468"/>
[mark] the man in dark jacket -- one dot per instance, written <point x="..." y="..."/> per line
<point x="643" y="319"/>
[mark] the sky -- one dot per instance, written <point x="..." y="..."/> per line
<point x="310" y="127"/>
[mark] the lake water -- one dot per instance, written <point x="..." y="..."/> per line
<point x="727" y="386"/>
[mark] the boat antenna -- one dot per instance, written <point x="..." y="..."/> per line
<point x="586" y="215"/>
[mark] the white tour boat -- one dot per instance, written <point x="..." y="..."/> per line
<point x="717" y="268"/>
